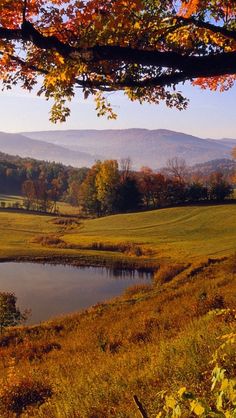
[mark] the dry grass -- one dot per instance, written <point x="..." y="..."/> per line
<point x="150" y="339"/>
<point x="49" y="241"/>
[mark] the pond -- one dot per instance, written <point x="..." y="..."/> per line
<point x="51" y="290"/>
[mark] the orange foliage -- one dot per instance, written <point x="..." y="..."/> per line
<point x="101" y="46"/>
<point x="221" y="83"/>
<point x="189" y="8"/>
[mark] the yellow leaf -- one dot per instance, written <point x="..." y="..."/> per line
<point x="137" y="25"/>
<point x="181" y="391"/>
<point x="224" y="384"/>
<point x="170" y="402"/>
<point x="197" y="408"/>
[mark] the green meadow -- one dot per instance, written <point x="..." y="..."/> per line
<point x="173" y="234"/>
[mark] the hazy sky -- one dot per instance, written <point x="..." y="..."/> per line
<point x="209" y="114"/>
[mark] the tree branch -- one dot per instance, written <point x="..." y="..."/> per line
<point x="185" y="67"/>
<point x="205" y="25"/>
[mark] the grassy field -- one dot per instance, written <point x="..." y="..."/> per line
<point x="175" y="234"/>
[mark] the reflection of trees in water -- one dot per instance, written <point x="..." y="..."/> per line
<point x="129" y="273"/>
<point x="118" y="272"/>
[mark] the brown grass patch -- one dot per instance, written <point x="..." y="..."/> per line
<point x="49" y="241"/>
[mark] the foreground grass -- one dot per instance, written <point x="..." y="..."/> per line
<point x="149" y="340"/>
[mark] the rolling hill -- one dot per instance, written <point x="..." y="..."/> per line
<point x="145" y="147"/>
<point x="17" y="144"/>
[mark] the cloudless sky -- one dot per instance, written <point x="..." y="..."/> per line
<point x="209" y="114"/>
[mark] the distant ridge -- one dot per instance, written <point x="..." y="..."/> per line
<point x="145" y="147"/>
<point x="18" y="144"/>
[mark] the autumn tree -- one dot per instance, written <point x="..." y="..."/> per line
<point x="144" y="48"/>
<point x="146" y="185"/>
<point x="87" y="195"/>
<point x="28" y="192"/>
<point x="39" y="196"/>
<point x="107" y="181"/>
<point x="75" y="180"/>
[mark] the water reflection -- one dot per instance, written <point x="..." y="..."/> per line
<point x="50" y="290"/>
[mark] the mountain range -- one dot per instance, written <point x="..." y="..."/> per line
<point x="145" y="147"/>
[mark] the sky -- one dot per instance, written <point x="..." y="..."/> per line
<point x="209" y="114"/>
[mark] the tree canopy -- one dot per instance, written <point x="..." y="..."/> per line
<point x="142" y="47"/>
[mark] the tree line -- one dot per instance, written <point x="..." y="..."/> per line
<point x="109" y="188"/>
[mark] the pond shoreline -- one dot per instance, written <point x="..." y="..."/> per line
<point x="145" y="266"/>
<point x="50" y="290"/>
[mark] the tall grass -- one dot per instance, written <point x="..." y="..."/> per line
<point x="148" y="340"/>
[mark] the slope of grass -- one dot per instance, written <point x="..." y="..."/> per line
<point x="175" y="233"/>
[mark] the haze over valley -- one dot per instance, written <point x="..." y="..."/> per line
<point x="145" y="147"/>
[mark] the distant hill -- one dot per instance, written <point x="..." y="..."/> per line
<point x="229" y="141"/>
<point x="18" y="144"/>
<point x="225" y="166"/>
<point x="143" y="146"/>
